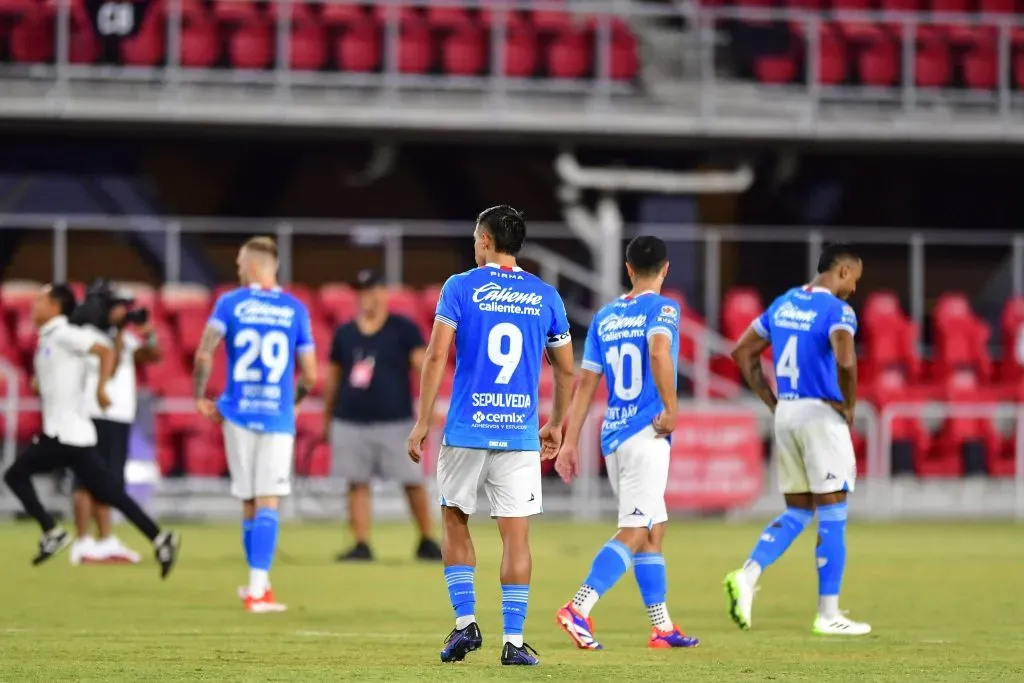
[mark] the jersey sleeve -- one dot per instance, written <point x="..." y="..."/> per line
<point x="558" y="332"/>
<point x="666" y="321"/>
<point x="304" y="335"/>
<point x="762" y="325"/>
<point x="220" y="317"/>
<point x="79" y="340"/>
<point x="843" y="318"/>
<point x="449" y="305"/>
<point x="592" y="359"/>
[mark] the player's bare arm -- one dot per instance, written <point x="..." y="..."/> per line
<point x="330" y="395"/>
<point x="567" y="464"/>
<point x="562" y="361"/>
<point x="846" y="371"/>
<point x="416" y="359"/>
<point x="747" y="356"/>
<point x="664" y="372"/>
<point x="435" y="357"/>
<point x="307" y="376"/>
<point x="203" y="367"/>
<point x="107" y="361"/>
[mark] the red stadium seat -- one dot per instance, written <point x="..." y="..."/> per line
<point x="777" y="69"/>
<point x="889" y="337"/>
<point x="204" y="454"/>
<point x="176" y="298"/>
<point x="521" y="50"/>
<point x="359" y="48"/>
<point x="407" y="15"/>
<point x="907" y="431"/>
<point x="32" y="39"/>
<point x="932" y="65"/>
<point x="448" y="17"/>
<point x="342" y="14"/>
<point x="464" y="52"/>
<point x="190" y="331"/>
<point x="237" y="11"/>
<point x="17" y="297"/>
<point x="337" y="302"/>
<point x="1012" y="328"/>
<point x="980" y="68"/>
<point x="879" y="63"/>
<point x="740" y="307"/>
<point x="961" y="338"/>
<point x="406" y="302"/>
<point x="146" y="48"/>
<point x="415" y="49"/>
<point x="553" y="21"/>
<point x="27" y="424"/>
<point x="308" y="48"/>
<point x="569" y="54"/>
<point x="624" y="59"/>
<point x="200" y="46"/>
<point x="251" y="46"/>
<point x="958" y="435"/>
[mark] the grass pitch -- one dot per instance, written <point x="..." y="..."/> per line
<point x="944" y="600"/>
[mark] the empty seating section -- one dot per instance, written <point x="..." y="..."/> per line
<point x="335" y="36"/>
<point x="953" y="43"/>
<point x="960" y="372"/>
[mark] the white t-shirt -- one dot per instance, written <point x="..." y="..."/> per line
<point x="62" y="365"/>
<point x="120" y="387"/>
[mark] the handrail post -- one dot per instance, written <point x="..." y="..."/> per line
<point x="10" y="412"/>
<point x="60" y="251"/>
<point x="917" y="282"/>
<point x="712" y="276"/>
<point x="172" y="252"/>
<point x="1018" y="463"/>
<point x="284" y="253"/>
<point x="393" y="256"/>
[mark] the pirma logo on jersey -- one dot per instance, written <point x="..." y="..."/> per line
<point x="253" y="310"/>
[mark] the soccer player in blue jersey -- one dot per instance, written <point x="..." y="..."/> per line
<point x="501" y="319"/>
<point x="268" y="332"/>
<point x="634" y="343"/>
<point x="810" y="330"/>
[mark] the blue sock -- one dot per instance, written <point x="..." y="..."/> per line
<point x="459" y="578"/>
<point x="610" y="563"/>
<point x="831" y="550"/>
<point x="513" y="611"/>
<point x="247" y="539"/>
<point x="779" y="535"/>
<point x="263" y="542"/>
<point x="649" y="569"/>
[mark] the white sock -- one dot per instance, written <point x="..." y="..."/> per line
<point x="659" y="617"/>
<point x="463" y="622"/>
<point x="586" y="598"/>
<point x="828" y="606"/>
<point x="516" y="640"/>
<point x="259" y="580"/>
<point x="752" y="572"/>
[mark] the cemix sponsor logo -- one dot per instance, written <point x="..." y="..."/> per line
<point x="615" y="322"/>
<point x="495" y="293"/>
<point x="499" y="418"/>
<point x="251" y="308"/>
<point x="495" y="400"/>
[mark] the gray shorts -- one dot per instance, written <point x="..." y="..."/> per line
<point x="364" y="451"/>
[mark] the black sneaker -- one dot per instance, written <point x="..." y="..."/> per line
<point x="428" y="550"/>
<point x="360" y="552"/>
<point x="51" y="543"/>
<point x="167" y="545"/>
<point x="460" y="642"/>
<point x="519" y="656"/>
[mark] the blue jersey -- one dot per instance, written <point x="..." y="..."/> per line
<point x="503" y="319"/>
<point x="799" y="324"/>
<point x="617" y="345"/>
<point x="263" y="330"/>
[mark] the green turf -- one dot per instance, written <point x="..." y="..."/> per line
<point x="943" y="599"/>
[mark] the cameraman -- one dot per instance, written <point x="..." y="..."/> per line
<point x="110" y="312"/>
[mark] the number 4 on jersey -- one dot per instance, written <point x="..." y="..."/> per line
<point x="788" y="364"/>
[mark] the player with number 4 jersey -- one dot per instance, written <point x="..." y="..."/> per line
<point x="268" y="333"/>
<point x="634" y="343"/>
<point x="810" y="330"/>
<point x="502" y="320"/>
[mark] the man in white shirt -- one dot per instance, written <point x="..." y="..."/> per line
<point x="69" y="436"/>
<point x="113" y="426"/>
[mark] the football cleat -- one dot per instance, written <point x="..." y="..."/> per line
<point x="111" y="550"/>
<point x="265" y="604"/>
<point x="519" y="656"/>
<point x="668" y="639"/>
<point x="460" y="642"/>
<point x="167" y="545"/>
<point x="577" y="627"/>
<point x="83" y="551"/>
<point x="51" y="543"/>
<point x="840" y="626"/>
<point x="243" y="593"/>
<point x="741" y="598"/>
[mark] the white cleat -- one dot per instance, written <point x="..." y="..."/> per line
<point x="112" y="551"/>
<point x="840" y="626"/>
<point x="741" y="598"/>
<point x="84" y="551"/>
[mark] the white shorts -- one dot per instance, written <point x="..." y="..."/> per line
<point x="260" y="463"/>
<point x="813" y="448"/>
<point x="638" y="473"/>
<point x="511" y="480"/>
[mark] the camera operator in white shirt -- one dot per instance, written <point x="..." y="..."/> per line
<point x="113" y="424"/>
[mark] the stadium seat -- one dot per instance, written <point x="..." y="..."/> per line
<point x="569" y="54"/>
<point x="776" y="69"/>
<point x="966" y="442"/>
<point x="932" y="64"/>
<point x="521" y="50"/>
<point x="308" y="48"/>
<point x="337" y="14"/>
<point x="146" y="48"/>
<point x="238" y="11"/>
<point x="911" y="442"/>
<point x="464" y="51"/>
<point x="251" y="46"/>
<point x="981" y="67"/>
<point x="415" y="49"/>
<point x="17" y="297"/>
<point x="337" y="303"/>
<point x="203" y="454"/>
<point x="879" y="63"/>
<point x="176" y="297"/>
<point x="1012" y="332"/>
<point x="200" y="46"/>
<point x="448" y="17"/>
<point x="961" y="338"/>
<point x="740" y="307"/>
<point x="190" y="330"/>
<point x="359" y="47"/>
<point x="888" y="336"/>
<point x="31" y="40"/>
<point x="27" y="424"/>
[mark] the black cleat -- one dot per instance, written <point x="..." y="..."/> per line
<point x="519" y="656"/>
<point x="428" y="550"/>
<point x="460" y="642"/>
<point x="360" y="552"/>
<point x="167" y="546"/>
<point x="52" y="542"/>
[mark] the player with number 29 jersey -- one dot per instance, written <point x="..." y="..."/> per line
<point x="264" y="330"/>
<point x="617" y="346"/>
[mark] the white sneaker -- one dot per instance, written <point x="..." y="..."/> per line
<point x="84" y="551"/>
<point x="112" y="550"/>
<point x="243" y="592"/>
<point x="840" y="626"/>
<point x="741" y="598"/>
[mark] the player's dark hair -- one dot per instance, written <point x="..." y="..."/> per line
<point x="506" y="226"/>
<point x="63" y="295"/>
<point x="646" y="254"/>
<point x="833" y="254"/>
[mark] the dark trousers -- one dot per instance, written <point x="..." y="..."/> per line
<point x="46" y="454"/>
